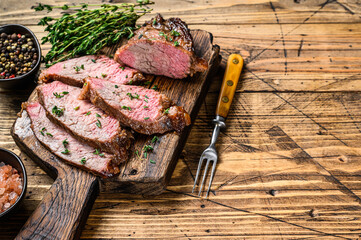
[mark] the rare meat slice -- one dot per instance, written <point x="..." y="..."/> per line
<point x="144" y="110"/>
<point x="74" y="71"/>
<point x="162" y="47"/>
<point x="83" y="120"/>
<point x="65" y="146"/>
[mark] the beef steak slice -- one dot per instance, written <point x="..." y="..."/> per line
<point x="57" y="140"/>
<point x="74" y="71"/>
<point x="83" y="120"/>
<point x="162" y="47"/>
<point x="144" y="110"/>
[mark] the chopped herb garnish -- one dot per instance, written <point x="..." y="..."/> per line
<point x="146" y="96"/>
<point x="155" y="87"/>
<point x="98" y="115"/>
<point x="176" y="43"/>
<point x="77" y="69"/>
<point x="99" y="124"/>
<point x="137" y="153"/>
<point x="116" y="86"/>
<point x="155" y="139"/>
<point x="148" y="148"/>
<point x="154" y="22"/>
<point x="88" y="113"/>
<point x="57" y="95"/>
<point x="125" y="107"/>
<point x="140" y="36"/>
<point x="145" y="107"/>
<point x="101" y="155"/>
<point x="93" y="60"/>
<point x="65" y="143"/>
<point x="42" y="131"/>
<point x="174" y="33"/>
<point x="85" y="84"/>
<point x="49" y="134"/>
<point x="131" y="81"/>
<point x="83" y="160"/>
<point x="126" y="76"/>
<point x="145" y="155"/>
<point x="104" y="75"/>
<point x="161" y="34"/>
<point x="58" y="111"/>
<point x="121" y="68"/>
<point x="152" y="161"/>
<point x="145" y="100"/>
<point x="147" y="83"/>
<point x="64" y="66"/>
<point x="76" y="108"/>
<point x="82" y="66"/>
<point x="66" y="151"/>
<point x="146" y="118"/>
<point x="96" y="152"/>
<point x="133" y="96"/>
<point x="166" y="111"/>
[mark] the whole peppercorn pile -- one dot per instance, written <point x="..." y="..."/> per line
<point x="18" y="55"/>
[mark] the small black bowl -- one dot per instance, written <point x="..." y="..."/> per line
<point x="28" y="78"/>
<point x="10" y="158"/>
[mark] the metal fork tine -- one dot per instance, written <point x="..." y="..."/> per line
<point x="204" y="177"/>
<point x="211" y="179"/>
<point x="198" y="171"/>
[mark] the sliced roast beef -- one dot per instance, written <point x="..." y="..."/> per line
<point x="162" y="47"/>
<point x="65" y="146"/>
<point x="144" y="110"/>
<point x="74" y="71"/>
<point x="83" y="120"/>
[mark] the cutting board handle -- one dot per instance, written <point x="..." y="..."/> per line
<point x="64" y="209"/>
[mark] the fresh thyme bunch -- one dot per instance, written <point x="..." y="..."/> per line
<point x="86" y="31"/>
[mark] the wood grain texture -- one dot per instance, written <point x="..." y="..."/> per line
<point x="289" y="164"/>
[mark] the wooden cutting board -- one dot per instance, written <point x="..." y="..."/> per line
<point x="65" y="208"/>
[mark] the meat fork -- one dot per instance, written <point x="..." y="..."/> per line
<point x="229" y="85"/>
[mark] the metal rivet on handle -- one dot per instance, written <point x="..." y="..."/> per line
<point x="230" y="83"/>
<point x="235" y="61"/>
<point x="225" y="99"/>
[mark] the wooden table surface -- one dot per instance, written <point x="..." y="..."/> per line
<point x="290" y="158"/>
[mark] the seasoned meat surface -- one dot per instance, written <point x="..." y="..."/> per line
<point x="162" y="47"/>
<point x="83" y="120"/>
<point x="65" y="146"/>
<point x="74" y="71"/>
<point x="144" y="110"/>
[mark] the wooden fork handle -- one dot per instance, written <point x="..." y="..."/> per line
<point x="229" y="84"/>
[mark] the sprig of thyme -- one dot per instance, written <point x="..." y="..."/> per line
<point x="84" y="31"/>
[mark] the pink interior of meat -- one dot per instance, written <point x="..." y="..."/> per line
<point x="146" y="107"/>
<point x="94" y="66"/>
<point x="80" y="115"/>
<point x="156" y="58"/>
<point x="77" y="150"/>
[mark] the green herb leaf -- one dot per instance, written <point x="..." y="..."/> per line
<point x="152" y="161"/>
<point x="131" y="96"/>
<point x="145" y="107"/>
<point x="174" y="33"/>
<point x="166" y="111"/>
<point x="76" y="108"/>
<point x="94" y="61"/>
<point x="176" y="43"/>
<point x="83" y="160"/>
<point x="101" y="154"/>
<point x="125" y="107"/>
<point x="65" y="143"/>
<point x="99" y="124"/>
<point x="155" y="87"/>
<point x="122" y="68"/>
<point x="146" y="118"/>
<point x="146" y="96"/>
<point x="88" y="113"/>
<point x="96" y="152"/>
<point x="58" y="111"/>
<point x="49" y="134"/>
<point x="97" y="115"/>
<point x="104" y="75"/>
<point x="155" y="139"/>
<point x="116" y="86"/>
<point x="66" y="151"/>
